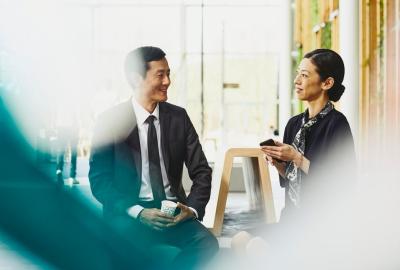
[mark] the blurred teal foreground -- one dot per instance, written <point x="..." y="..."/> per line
<point x="57" y="229"/>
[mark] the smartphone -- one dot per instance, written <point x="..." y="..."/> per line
<point x="269" y="142"/>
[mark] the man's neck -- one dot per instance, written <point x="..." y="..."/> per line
<point x="146" y="104"/>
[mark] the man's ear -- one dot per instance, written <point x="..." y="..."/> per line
<point x="135" y="79"/>
<point x="328" y="83"/>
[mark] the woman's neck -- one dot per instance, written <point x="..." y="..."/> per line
<point x="315" y="106"/>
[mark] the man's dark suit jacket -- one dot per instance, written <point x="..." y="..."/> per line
<point x="116" y="165"/>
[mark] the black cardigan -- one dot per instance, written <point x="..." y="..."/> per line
<point x="330" y="149"/>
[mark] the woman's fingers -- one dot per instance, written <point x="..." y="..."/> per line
<point x="266" y="148"/>
<point x="273" y="163"/>
<point x="281" y="151"/>
<point x="273" y="153"/>
<point x="279" y="143"/>
<point x="269" y="159"/>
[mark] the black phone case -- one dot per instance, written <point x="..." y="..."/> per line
<point x="269" y="142"/>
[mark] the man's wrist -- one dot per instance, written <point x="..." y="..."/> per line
<point x="194" y="212"/>
<point x="135" y="211"/>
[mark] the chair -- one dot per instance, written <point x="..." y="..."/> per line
<point x="258" y="169"/>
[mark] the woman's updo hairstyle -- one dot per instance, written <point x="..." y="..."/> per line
<point x="329" y="64"/>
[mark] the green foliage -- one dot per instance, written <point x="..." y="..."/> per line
<point x="297" y="105"/>
<point x="314" y="12"/>
<point x="326" y="36"/>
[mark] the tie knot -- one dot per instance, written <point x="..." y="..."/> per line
<point x="150" y="119"/>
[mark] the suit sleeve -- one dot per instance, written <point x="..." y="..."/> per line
<point x="199" y="171"/>
<point x="101" y="173"/>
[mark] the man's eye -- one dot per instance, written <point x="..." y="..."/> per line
<point x="304" y="75"/>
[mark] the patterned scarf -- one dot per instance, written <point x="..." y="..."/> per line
<point x="292" y="172"/>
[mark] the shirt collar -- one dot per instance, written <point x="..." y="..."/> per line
<point x="142" y="114"/>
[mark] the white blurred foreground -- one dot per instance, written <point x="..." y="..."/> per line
<point x="354" y="230"/>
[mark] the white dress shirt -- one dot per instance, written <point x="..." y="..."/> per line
<point x="146" y="193"/>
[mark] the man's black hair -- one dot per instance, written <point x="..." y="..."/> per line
<point x="138" y="60"/>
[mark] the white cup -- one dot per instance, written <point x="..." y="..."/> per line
<point x="168" y="207"/>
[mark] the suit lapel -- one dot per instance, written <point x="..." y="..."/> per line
<point x="133" y="141"/>
<point x="164" y="130"/>
<point x="135" y="144"/>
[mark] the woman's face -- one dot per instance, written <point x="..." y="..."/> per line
<point x="307" y="83"/>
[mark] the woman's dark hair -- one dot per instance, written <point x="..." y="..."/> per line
<point x="329" y="64"/>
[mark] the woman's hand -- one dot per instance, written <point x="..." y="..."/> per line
<point x="281" y="151"/>
<point x="279" y="165"/>
<point x="285" y="152"/>
<point x="270" y="160"/>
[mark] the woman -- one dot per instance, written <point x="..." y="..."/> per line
<point x="319" y="140"/>
<point x="316" y="160"/>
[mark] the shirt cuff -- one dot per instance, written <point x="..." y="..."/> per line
<point x="194" y="211"/>
<point x="135" y="210"/>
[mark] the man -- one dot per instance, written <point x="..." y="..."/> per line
<point x="140" y="147"/>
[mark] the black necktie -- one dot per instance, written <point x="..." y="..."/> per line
<point x="156" y="180"/>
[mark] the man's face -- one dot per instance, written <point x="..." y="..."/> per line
<point x="155" y="85"/>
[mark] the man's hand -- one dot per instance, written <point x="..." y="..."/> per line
<point x="155" y="219"/>
<point x="185" y="214"/>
